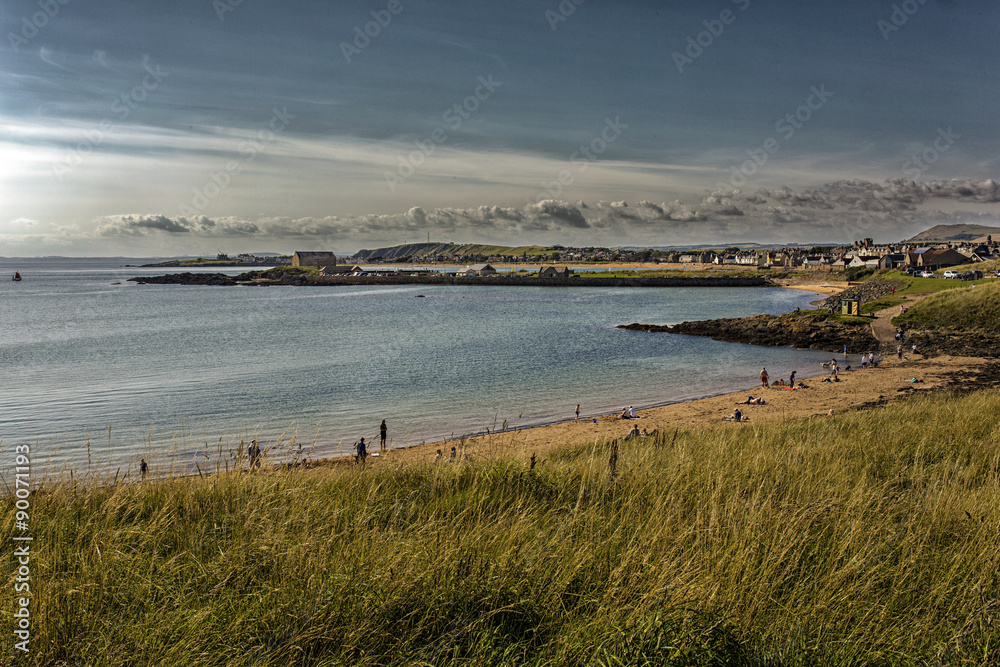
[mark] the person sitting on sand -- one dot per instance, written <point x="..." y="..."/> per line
<point x="737" y="416"/>
<point x="438" y="457"/>
<point x="624" y="413"/>
<point x="634" y="433"/>
<point x="631" y="412"/>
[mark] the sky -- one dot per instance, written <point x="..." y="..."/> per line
<point x="191" y="127"/>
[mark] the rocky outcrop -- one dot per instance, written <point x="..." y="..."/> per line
<point x="813" y="330"/>
<point x="220" y="279"/>
<point x="955" y="342"/>
<point x="863" y="292"/>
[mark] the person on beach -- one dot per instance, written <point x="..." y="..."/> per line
<point x="578" y="411"/>
<point x="899" y="352"/>
<point x="763" y="378"/>
<point x="362" y="454"/>
<point x="382" y="431"/>
<point x="253" y="454"/>
<point x="791" y="379"/>
<point x="634" y="433"/>
<point x="624" y="413"/>
<point x="737" y="416"/>
<point x="438" y="457"/>
<point x="143" y="469"/>
<point x="454" y="455"/>
<point x="914" y="348"/>
<point x="631" y="412"/>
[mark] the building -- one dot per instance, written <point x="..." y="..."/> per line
<point x="318" y="259"/>
<point x="932" y="259"/>
<point x="483" y="269"/>
<point x="560" y="272"/>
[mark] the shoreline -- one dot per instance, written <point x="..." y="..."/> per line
<point x="857" y="389"/>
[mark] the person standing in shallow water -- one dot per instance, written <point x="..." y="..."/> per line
<point x="577" y="410"/>
<point x="381" y="432"/>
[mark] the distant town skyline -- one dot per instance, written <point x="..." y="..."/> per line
<point x="191" y="127"/>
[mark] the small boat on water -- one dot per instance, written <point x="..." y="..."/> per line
<point x="17" y="275"/>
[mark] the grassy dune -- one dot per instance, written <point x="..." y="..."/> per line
<point x="964" y="308"/>
<point x="866" y="538"/>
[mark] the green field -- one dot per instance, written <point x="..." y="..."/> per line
<point x="869" y="538"/>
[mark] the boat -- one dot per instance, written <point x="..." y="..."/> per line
<point x="17" y="275"/>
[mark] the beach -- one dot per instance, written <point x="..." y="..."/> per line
<point x="857" y="388"/>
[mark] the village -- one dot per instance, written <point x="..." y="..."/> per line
<point x="856" y="260"/>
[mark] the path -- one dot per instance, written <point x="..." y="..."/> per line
<point x="882" y="327"/>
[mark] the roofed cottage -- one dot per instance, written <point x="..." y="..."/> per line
<point x="561" y="272"/>
<point x="314" y="258"/>
<point x="483" y="269"/>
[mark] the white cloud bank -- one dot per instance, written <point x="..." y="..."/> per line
<point x="838" y="212"/>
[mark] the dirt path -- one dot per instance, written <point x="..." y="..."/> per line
<point x="882" y="327"/>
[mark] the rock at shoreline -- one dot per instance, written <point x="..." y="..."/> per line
<point x="186" y="279"/>
<point x="812" y="330"/>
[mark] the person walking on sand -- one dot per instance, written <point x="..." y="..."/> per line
<point x="578" y="411"/>
<point x="362" y="449"/>
<point x="381" y="432"/>
<point x="143" y="469"/>
<point x="763" y="378"/>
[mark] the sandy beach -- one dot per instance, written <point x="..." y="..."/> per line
<point x="856" y="388"/>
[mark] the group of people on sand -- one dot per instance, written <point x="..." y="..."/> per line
<point x="780" y="382"/>
<point x="361" y="448"/>
<point x="451" y="459"/>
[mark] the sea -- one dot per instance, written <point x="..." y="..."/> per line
<point x="98" y="372"/>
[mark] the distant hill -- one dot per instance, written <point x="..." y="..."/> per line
<point x="954" y="233"/>
<point x="416" y="252"/>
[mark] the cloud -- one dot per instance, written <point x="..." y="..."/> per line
<point x="841" y="211"/>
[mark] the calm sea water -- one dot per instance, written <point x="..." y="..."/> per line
<point x="97" y="374"/>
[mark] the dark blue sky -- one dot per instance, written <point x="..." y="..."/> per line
<point x="182" y="125"/>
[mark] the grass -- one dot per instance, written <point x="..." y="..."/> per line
<point x="864" y="539"/>
<point x="909" y="285"/>
<point x="967" y="308"/>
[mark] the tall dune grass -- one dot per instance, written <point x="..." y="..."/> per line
<point x="866" y="538"/>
